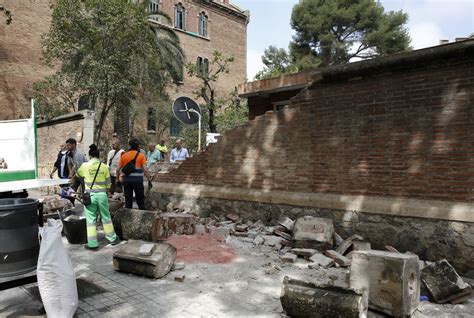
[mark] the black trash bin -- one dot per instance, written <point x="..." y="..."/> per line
<point x="74" y="226"/>
<point x="19" y="241"/>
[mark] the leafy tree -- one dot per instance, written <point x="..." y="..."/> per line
<point x="235" y="113"/>
<point x="277" y="61"/>
<point x="108" y="49"/>
<point x="332" y="32"/>
<point x="8" y="15"/>
<point x="209" y="75"/>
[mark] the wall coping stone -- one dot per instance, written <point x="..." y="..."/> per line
<point x="429" y="209"/>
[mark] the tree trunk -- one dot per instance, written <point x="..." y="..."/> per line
<point x="212" y="125"/>
<point x="122" y="122"/>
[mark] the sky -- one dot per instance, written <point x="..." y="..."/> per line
<point x="429" y="22"/>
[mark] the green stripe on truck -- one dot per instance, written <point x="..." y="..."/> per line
<point x="17" y="175"/>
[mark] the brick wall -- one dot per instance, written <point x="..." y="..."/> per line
<point x="20" y="55"/>
<point x="403" y="131"/>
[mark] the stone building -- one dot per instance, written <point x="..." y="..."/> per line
<point x="203" y="27"/>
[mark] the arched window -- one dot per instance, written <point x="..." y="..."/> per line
<point x="179" y="17"/>
<point x="202" y="28"/>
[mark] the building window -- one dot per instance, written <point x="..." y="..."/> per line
<point x="202" y="66"/>
<point x="179" y="17"/>
<point x="153" y="8"/>
<point x="151" y="122"/>
<point x="175" y="127"/>
<point x="202" y="28"/>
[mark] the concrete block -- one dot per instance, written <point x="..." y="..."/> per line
<point x="287" y="223"/>
<point x="305" y="299"/>
<point x="167" y="224"/>
<point x="321" y="260"/>
<point x="392" y="279"/>
<point x="338" y="258"/>
<point x="134" y="224"/>
<point x="289" y="258"/>
<point x="304" y="252"/>
<point x="443" y="282"/>
<point x="312" y="231"/>
<point x="129" y="260"/>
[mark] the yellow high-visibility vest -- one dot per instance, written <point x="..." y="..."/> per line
<point x="88" y="171"/>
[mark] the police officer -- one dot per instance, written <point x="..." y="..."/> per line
<point x="98" y="192"/>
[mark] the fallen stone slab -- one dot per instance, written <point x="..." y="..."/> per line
<point x="287" y="223"/>
<point x="443" y="282"/>
<point x="321" y="260"/>
<point x="304" y="252"/>
<point x="338" y="258"/>
<point x="347" y="243"/>
<point x="313" y="232"/>
<point x="233" y="217"/>
<point x="134" y="224"/>
<point x="167" y="224"/>
<point x="241" y="228"/>
<point x="285" y="235"/>
<point x="392" y="279"/>
<point x="304" y="299"/>
<point x="128" y="259"/>
<point x="289" y="258"/>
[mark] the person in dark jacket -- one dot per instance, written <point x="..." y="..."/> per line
<point x="61" y="164"/>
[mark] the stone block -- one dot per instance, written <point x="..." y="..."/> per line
<point x="259" y="240"/>
<point x="287" y="223"/>
<point x="321" y="260"/>
<point x="272" y="240"/>
<point x="289" y="258"/>
<point x="241" y="234"/>
<point x="129" y="260"/>
<point x="241" y="227"/>
<point x="309" y="230"/>
<point x="179" y="278"/>
<point x="252" y="234"/>
<point x="392" y="279"/>
<point x="338" y="258"/>
<point x="443" y="282"/>
<point x="167" y="224"/>
<point x="304" y="252"/>
<point x="257" y="226"/>
<point x="305" y="299"/>
<point x="233" y="217"/>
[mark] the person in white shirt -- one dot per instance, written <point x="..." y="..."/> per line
<point x="113" y="158"/>
<point x="179" y="153"/>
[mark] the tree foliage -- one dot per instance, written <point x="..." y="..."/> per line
<point x="8" y="15"/>
<point x="208" y="77"/>
<point x="332" y="32"/>
<point x="108" y="49"/>
<point x="277" y="61"/>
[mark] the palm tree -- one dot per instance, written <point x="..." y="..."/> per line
<point x="153" y="74"/>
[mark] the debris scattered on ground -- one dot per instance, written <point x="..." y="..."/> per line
<point x="128" y="259"/>
<point x="289" y="258"/>
<point x="179" y="278"/>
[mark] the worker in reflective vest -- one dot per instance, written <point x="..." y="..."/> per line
<point x="96" y="177"/>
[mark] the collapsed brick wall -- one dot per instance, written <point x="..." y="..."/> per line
<point x="407" y="133"/>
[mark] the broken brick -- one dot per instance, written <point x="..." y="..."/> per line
<point x="286" y="236"/>
<point x="232" y="217"/>
<point x="289" y="258"/>
<point x="179" y="278"/>
<point x="321" y="260"/>
<point x="347" y="243"/>
<point x="287" y="223"/>
<point x="338" y="258"/>
<point x="146" y="249"/>
<point x="241" y="227"/>
<point x="259" y="240"/>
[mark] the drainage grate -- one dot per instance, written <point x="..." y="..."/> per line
<point x="84" y="289"/>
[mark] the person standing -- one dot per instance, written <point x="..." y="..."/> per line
<point x="113" y="159"/>
<point x="76" y="159"/>
<point x="97" y="181"/>
<point x="179" y="153"/>
<point x="61" y="164"/>
<point x="133" y="180"/>
<point x="161" y="147"/>
<point x="153" y="155"/>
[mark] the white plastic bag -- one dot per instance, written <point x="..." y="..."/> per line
<point x="56" y="278"/>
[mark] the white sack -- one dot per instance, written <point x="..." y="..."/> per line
<point x="56" y="279"/>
